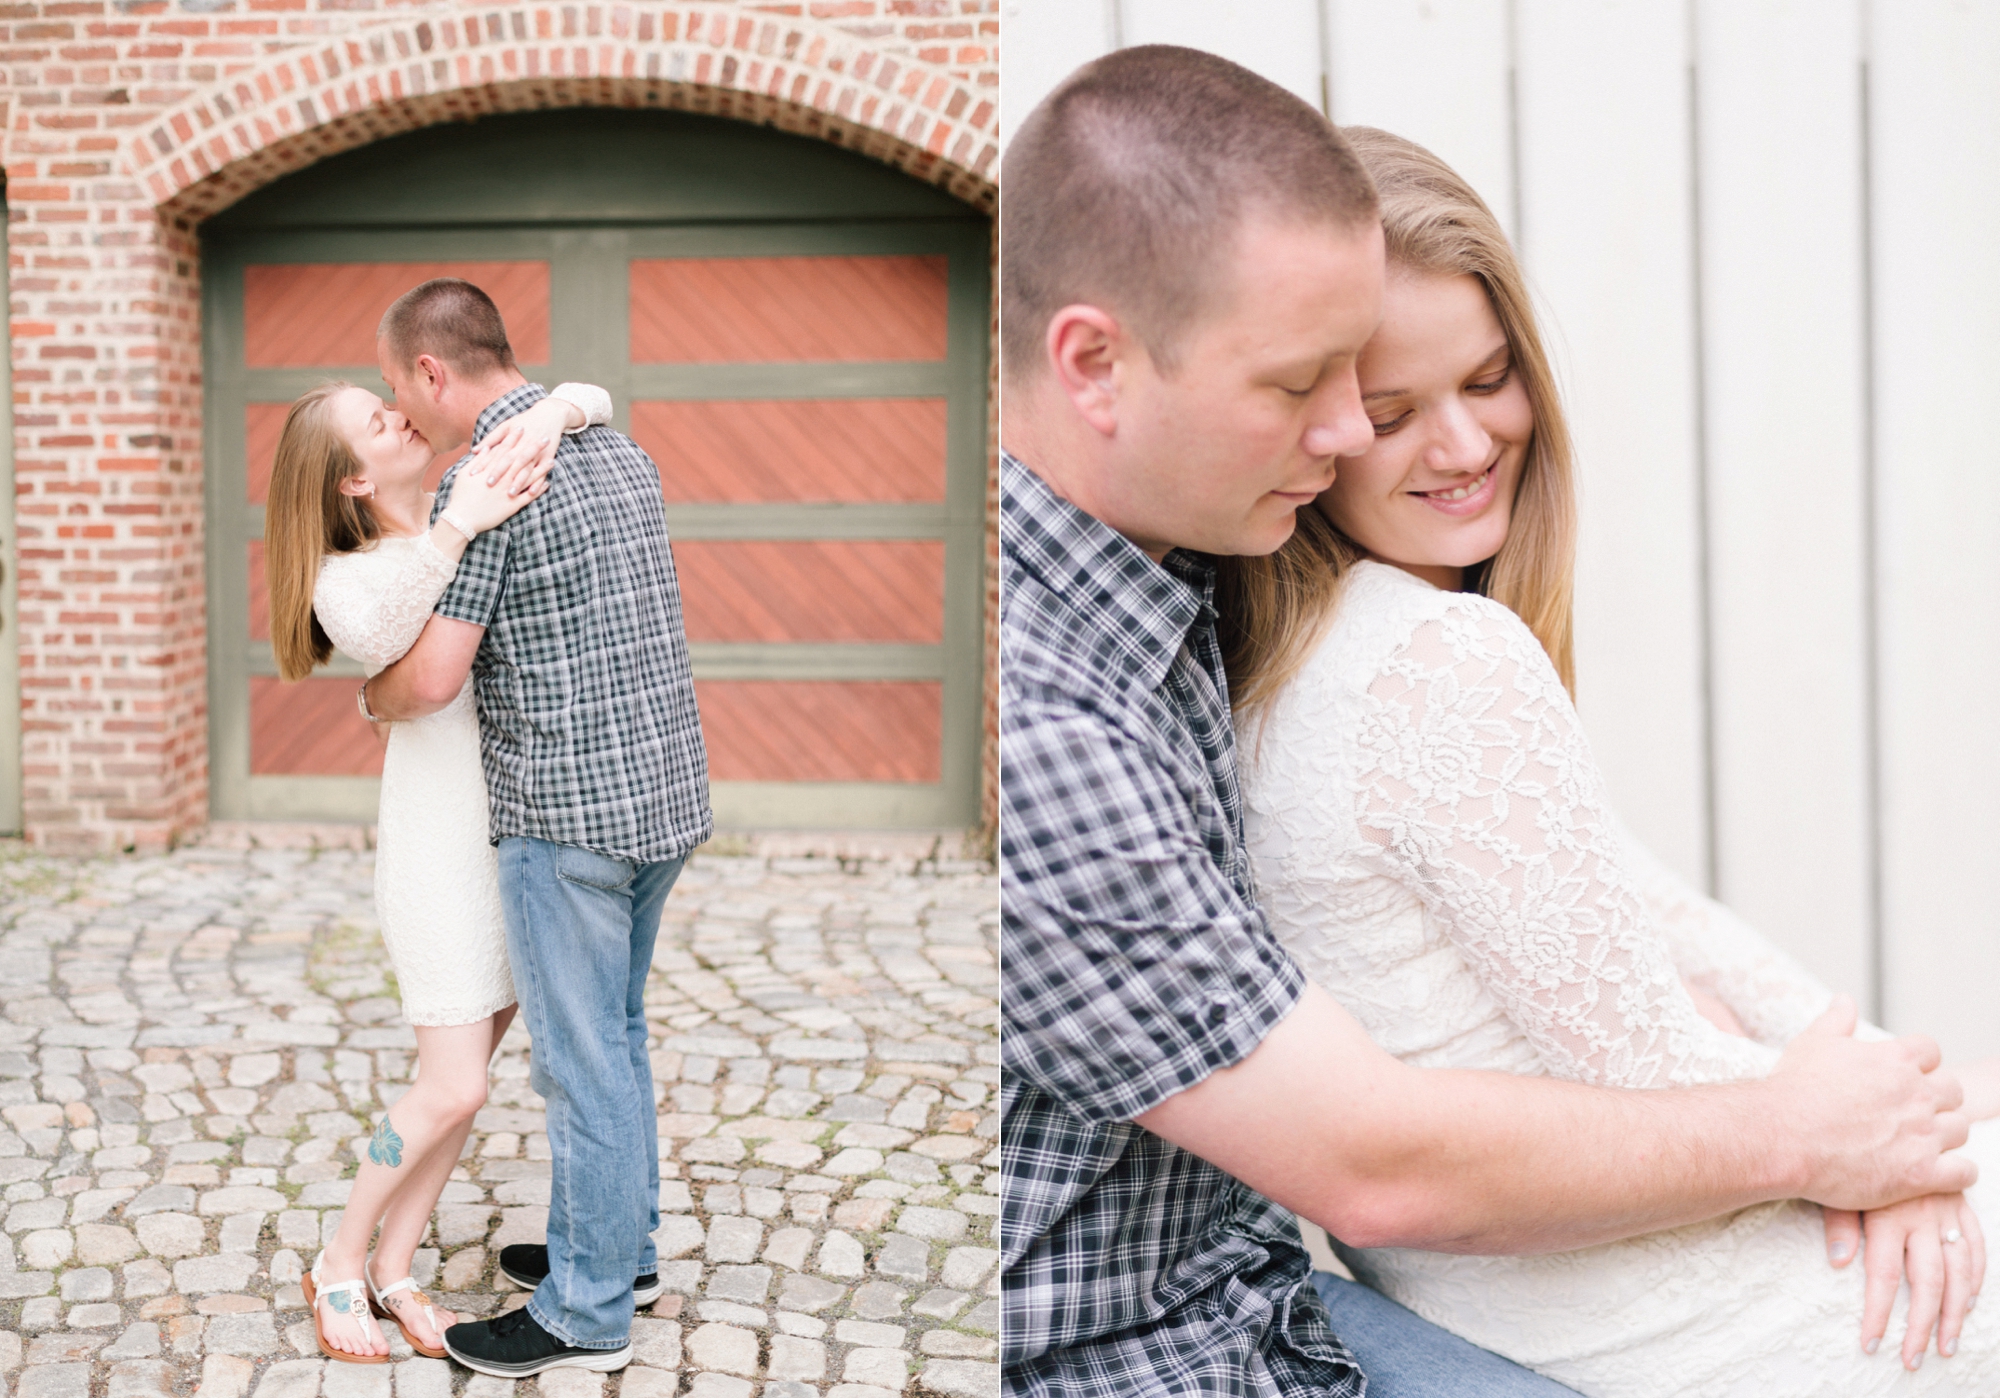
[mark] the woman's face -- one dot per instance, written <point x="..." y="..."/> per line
<point x="392" y="453"/>
<point x="1434" y="492"/>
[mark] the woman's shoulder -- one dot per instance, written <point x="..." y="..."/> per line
<point x="1381" y="614"/>
<point x="358" y="568"/>
<point x="1390" y="605"/>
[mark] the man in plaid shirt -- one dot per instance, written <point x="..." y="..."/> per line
<point x="569" y="619"/>
<point x="1192" y="263"/>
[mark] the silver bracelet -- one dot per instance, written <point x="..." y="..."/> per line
<point x="445" y="516"/>
<point x="361" y="698"/>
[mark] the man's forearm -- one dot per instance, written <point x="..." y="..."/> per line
<point x="397" y="695"/>
<point x="430" y="674"/>
<point x="1382" y="1154"/>
<point x="1492" y="1163"/>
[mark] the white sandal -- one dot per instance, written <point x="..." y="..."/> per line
<point x="356" y="1304"/>
<point x="381" y="1303"/>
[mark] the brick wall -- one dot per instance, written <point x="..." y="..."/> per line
<point x="126" y="123"/>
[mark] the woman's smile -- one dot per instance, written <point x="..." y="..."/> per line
<point x="1466" y="498"/>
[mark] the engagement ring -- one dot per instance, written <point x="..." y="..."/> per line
<point x="1952" y="1235"/>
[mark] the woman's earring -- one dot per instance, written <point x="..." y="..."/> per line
<point x="371" y="490"/>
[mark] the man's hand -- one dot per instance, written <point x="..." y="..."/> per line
<point x="1874" y="1118"/>
<point x="1981" y="1080"/>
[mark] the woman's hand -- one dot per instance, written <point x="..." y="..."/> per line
<point x="486" y="493"/>
<point x="1945" y="1277"/>
<point x="523" y="445"/>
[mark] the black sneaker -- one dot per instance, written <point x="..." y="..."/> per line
<point x="525" y="1264"/>
<point x="514" y="1346"/>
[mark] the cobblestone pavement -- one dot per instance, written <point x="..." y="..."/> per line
<point x="195" y="1046"/>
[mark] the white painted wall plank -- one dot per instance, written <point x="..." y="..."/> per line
<point x="1436" y="72"/>
<point x="1936" y="200"/>
<point x="1602" y="101"/>
<point x="1043" y="42"/>
<point x="1783" y="359"/>
<point x="1278" y="38"/>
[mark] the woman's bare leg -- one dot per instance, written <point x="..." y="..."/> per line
<point x="410" y="1156"/>
<point x="409" y="1213"/>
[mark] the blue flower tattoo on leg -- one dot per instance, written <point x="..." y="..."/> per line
<point x="385" y="1147"/>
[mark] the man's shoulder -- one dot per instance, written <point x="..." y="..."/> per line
<point x="1052" y="649"/>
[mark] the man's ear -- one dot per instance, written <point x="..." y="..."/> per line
<point x="432" y="375"/>
<point x="1091" y="357"/>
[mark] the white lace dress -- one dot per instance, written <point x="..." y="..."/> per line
<point x="437" y="877"/>
<point x="1432" y="841"/>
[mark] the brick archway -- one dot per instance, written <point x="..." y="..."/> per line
<point x="106" y="324"/>
<point x="798" y="75"/>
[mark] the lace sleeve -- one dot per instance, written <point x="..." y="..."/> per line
<point x="1477" y="786"/>
<point x="1720" y="953"/>
<point x="374" y="609"/>
<point x="593" y="401"/>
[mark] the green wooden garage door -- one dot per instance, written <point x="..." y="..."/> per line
<point x="797" y="335"/>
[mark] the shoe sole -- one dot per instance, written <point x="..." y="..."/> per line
<point x="641" y="1296"/>
<point x="602" y="1361"/>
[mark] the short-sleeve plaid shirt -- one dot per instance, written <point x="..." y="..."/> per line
<point x="586" y="700"/>
<point x="1136" y="963"/>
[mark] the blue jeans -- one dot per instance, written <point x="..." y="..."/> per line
<point x="1405" y="1356"/>
<point x="580" y="929"/>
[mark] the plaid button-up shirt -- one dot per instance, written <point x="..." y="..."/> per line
<point x="1136" y="963"/>
<point x="586" y="701"/>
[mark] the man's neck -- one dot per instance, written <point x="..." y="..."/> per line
<point x="488" y="391"/>
<point x="1065" y="485"/>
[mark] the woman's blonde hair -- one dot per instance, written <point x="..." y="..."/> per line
<point x="307" y="517"/>
<point x="1273" y="609"/>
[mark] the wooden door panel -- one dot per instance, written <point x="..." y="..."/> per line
<point x="715" y="310"/>
<point x="263" y="424"/>
<point x="821" y="730"/>
<point x="310" y="728"/>
<point x="260" y="593"/>
<point x="855" y="450"/>
<point x="823" y="590"/>
<point x="323" y="315"/>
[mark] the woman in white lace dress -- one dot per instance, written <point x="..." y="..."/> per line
<point x="353" y="562"/>
<point x="1433" y="843"/>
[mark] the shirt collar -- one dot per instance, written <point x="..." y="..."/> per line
<point x="1146" y="607"/>
<point x="514" y="400"/>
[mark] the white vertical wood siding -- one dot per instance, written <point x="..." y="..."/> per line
<point x="1784" y="361"/>
<point x="1761" y="235"/>
<point x="1934" y="157"/>
<point x="1601" y="112"/>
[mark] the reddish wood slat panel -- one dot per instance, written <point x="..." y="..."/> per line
<point x="310" y="728"/>
<point x="821" y="731"/>
<point x="822" y="590"/>
<point x="885" y="450"/>
<point x="263" y="424"/>
<point x="260" y="595"/>
<point x="733" y="310"/>
<point x="298" y="316"/>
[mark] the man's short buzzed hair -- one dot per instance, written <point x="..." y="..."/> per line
<point x="453" y="321"/>
<point x="1126" y="186"/>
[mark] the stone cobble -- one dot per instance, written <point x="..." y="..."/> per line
<point x="194" y="1047"/>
